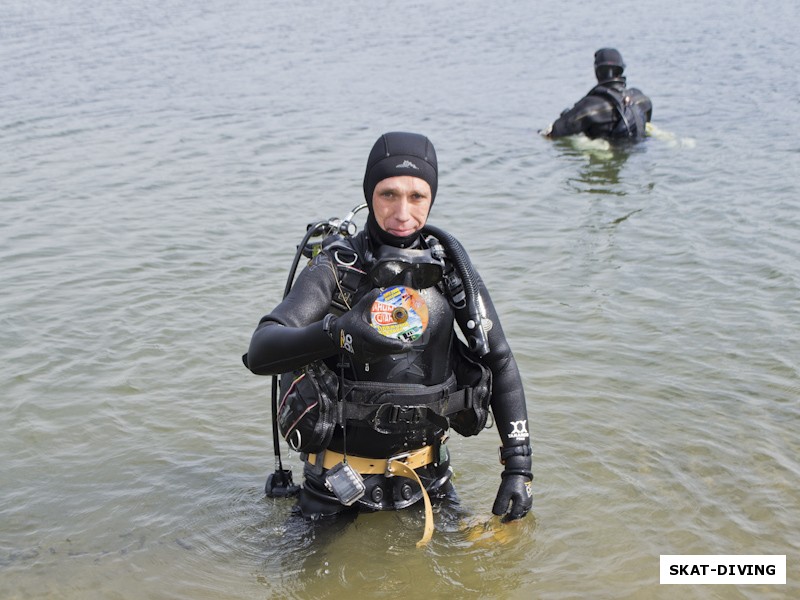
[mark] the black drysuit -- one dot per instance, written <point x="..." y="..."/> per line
<point x="609" y="111"/>
<point x="293" y="334"/>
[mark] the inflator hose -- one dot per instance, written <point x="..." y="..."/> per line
<point x="473" y="327"/>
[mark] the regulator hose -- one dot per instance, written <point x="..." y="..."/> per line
<point x="471" y="319"/>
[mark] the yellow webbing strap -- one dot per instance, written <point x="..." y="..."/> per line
<point x="402" y="465"/>
<point x="371" y="466"/>
<point x="400" y="468"/>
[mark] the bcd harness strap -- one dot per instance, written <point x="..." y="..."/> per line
<point x="349" y="277"/>
<point x="381" y="407"/>
<point x="399" y="464"/>
<point x="617" y="100"/>
<point x="347" y="264"/>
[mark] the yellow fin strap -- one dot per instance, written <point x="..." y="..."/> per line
<point x="397" y="467"/>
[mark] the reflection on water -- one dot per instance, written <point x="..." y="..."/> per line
<point x="600" y="162"/>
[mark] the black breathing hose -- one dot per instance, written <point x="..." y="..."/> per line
<point x="474" y="332"/>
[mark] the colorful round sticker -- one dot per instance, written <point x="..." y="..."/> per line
<point x="401" y="313"/>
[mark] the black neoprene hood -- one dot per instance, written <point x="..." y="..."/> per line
<point x="608" y="57"/>
<point x="401" y="153"/>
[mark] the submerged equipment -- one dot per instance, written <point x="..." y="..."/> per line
<point x="403" y="464"/>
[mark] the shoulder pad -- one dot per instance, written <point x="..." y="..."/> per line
<point x="335" y="241"/>
<point x="340" y="250"/>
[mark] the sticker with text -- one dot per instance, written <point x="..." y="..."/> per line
<point x="718" y="569"/>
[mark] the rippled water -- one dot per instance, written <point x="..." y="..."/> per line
<point x="161" y="161"/>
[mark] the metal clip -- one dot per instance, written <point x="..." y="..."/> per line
<point x="402" y="456"/>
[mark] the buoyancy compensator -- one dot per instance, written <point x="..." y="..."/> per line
<point x="280" y="483"/>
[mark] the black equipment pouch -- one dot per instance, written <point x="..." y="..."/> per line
<point x="476" y="381"/>
<point x="307" y="410"/>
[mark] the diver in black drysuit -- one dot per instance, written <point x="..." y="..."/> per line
<point x="610" y="110"/>
<point x="304" y="328"/>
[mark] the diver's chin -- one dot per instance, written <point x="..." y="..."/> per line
<point x="401" y="233"/>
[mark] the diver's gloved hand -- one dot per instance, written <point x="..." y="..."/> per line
<point x="515" y="496"/>
<point x="352" y="332"/>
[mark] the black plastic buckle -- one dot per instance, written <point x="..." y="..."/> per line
<point x="405" y="414"/>
<point x="392" y="414"/>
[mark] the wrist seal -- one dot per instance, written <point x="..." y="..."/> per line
<point x="522" y="472"/>
<point x="506" y="453"/>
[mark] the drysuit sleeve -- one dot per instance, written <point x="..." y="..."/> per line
<point x="587" y="114"/>
<point x="293" y="334"/>
<point x="508" y="395"/>
<point x="515" y="495"/>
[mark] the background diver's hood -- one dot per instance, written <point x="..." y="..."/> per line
<point x="608" y="65"/>
<point x="608" y="57"/>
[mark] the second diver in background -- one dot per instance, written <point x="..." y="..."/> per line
<point x="610" y="110"/>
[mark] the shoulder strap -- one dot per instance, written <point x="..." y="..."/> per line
<point x="616" y="99"/>
<point x="349" y="264"/>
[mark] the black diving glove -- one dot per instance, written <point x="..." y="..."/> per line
<point x="352" y="333"/>
<point x="515" y="489"/>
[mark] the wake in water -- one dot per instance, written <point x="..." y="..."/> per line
<point x="670" y="138"/>
<point x="604" y="149"/>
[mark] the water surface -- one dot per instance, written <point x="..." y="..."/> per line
<point x="161" y="162"/>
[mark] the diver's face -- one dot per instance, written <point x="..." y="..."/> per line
<point x="401" y="204"/>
